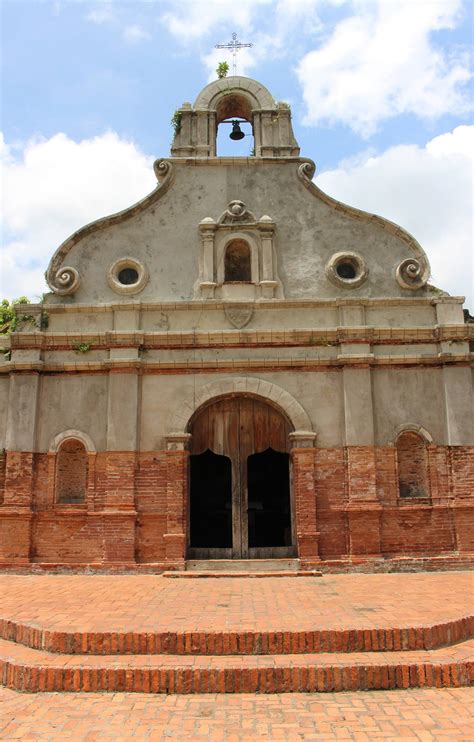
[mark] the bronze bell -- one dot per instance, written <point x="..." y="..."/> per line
<point x="236" y="132"/>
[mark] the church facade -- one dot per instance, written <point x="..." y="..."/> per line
<point x="238" y="367"/>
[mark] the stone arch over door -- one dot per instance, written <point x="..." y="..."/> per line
<point x="302" y="435"/>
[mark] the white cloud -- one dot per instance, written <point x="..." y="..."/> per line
<point x="102" y="13"/>
<point x="134" y="34"/>
<point x="191" y="20"/>
<point x="428" y="191"/>
<point x="382" y="62"/>
<point x="52" y="187"/>
<point x="284" y="21"/>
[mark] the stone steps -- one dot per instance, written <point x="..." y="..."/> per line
<point x="244" y="566"/>
<point x="26" y="669"/>
<point x="221" y="642"/>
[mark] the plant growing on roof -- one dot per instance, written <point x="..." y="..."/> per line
<point x="222" y="69"/>
<point x="8" y="318"/>
<point x="176" y="121"/>
<point x="81" y="347"/>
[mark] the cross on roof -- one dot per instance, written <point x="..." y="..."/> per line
<point x="234" y="46"/>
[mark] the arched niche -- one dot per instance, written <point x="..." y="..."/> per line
<point x="71" y="472"/>
<point x="237" y="262"/>
<point x="412" y="465"/>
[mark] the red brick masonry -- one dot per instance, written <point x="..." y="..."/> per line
<point x="346" y="503"/>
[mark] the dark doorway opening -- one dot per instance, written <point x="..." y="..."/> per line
<point x="269" y="510"/>
<point x="210" y="501"/>
<point x="239" y="472"/>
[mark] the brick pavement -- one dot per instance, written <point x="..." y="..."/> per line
<point x="421" y="715"/>
<point x="94" y="603"/>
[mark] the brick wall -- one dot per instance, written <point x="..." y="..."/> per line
<point x="3" y="466"/>
<point x="135" y="507"/>
<point x="150" y="498"/>
<point x="417" y="530"/>
<point x="331" y="498"/>
<point x="70" y="536"/>
<point x="462" y="471"/>
<point x="304" y="503"/>
<point x="19" y="472"/>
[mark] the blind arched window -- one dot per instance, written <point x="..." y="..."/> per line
<point x="237" y="267"/>
<point x="71" y="472"/>
<point x="412" y="466"/>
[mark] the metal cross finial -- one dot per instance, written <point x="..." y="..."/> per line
<point x="234" y="46"/>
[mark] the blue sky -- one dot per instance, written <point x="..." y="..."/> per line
<point x="380" y="90"/>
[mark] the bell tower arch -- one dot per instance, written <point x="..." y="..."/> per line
<point x="234" y="97"/>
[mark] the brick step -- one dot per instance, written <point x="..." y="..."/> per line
<point x="215" y="642"/>
<point x="25" y="669"/>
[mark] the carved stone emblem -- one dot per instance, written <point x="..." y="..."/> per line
<point x="238" y="315"/>
<point x="237" y="213"/>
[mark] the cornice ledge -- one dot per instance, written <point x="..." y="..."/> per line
<point x="215" y="161"/>
<point x="8" y="366"/>
<point x="223" y="365"/>
<point x="303" y="303"/>
<point x="185" y="339"/>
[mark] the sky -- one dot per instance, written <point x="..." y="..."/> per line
<point x="381" y="93"/>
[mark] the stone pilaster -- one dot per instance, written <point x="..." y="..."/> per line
<point x="21" y="440"/>
<point x="458" y="397"/>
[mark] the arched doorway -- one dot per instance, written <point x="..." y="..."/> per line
<point x="240" y="503"/>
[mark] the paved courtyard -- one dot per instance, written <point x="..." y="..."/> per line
<point x="93" y="603"/>
<point x="59" y="606"/>
<point x="422" y="715"/>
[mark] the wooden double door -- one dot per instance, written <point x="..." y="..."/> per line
<point x="240" y="499"/>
